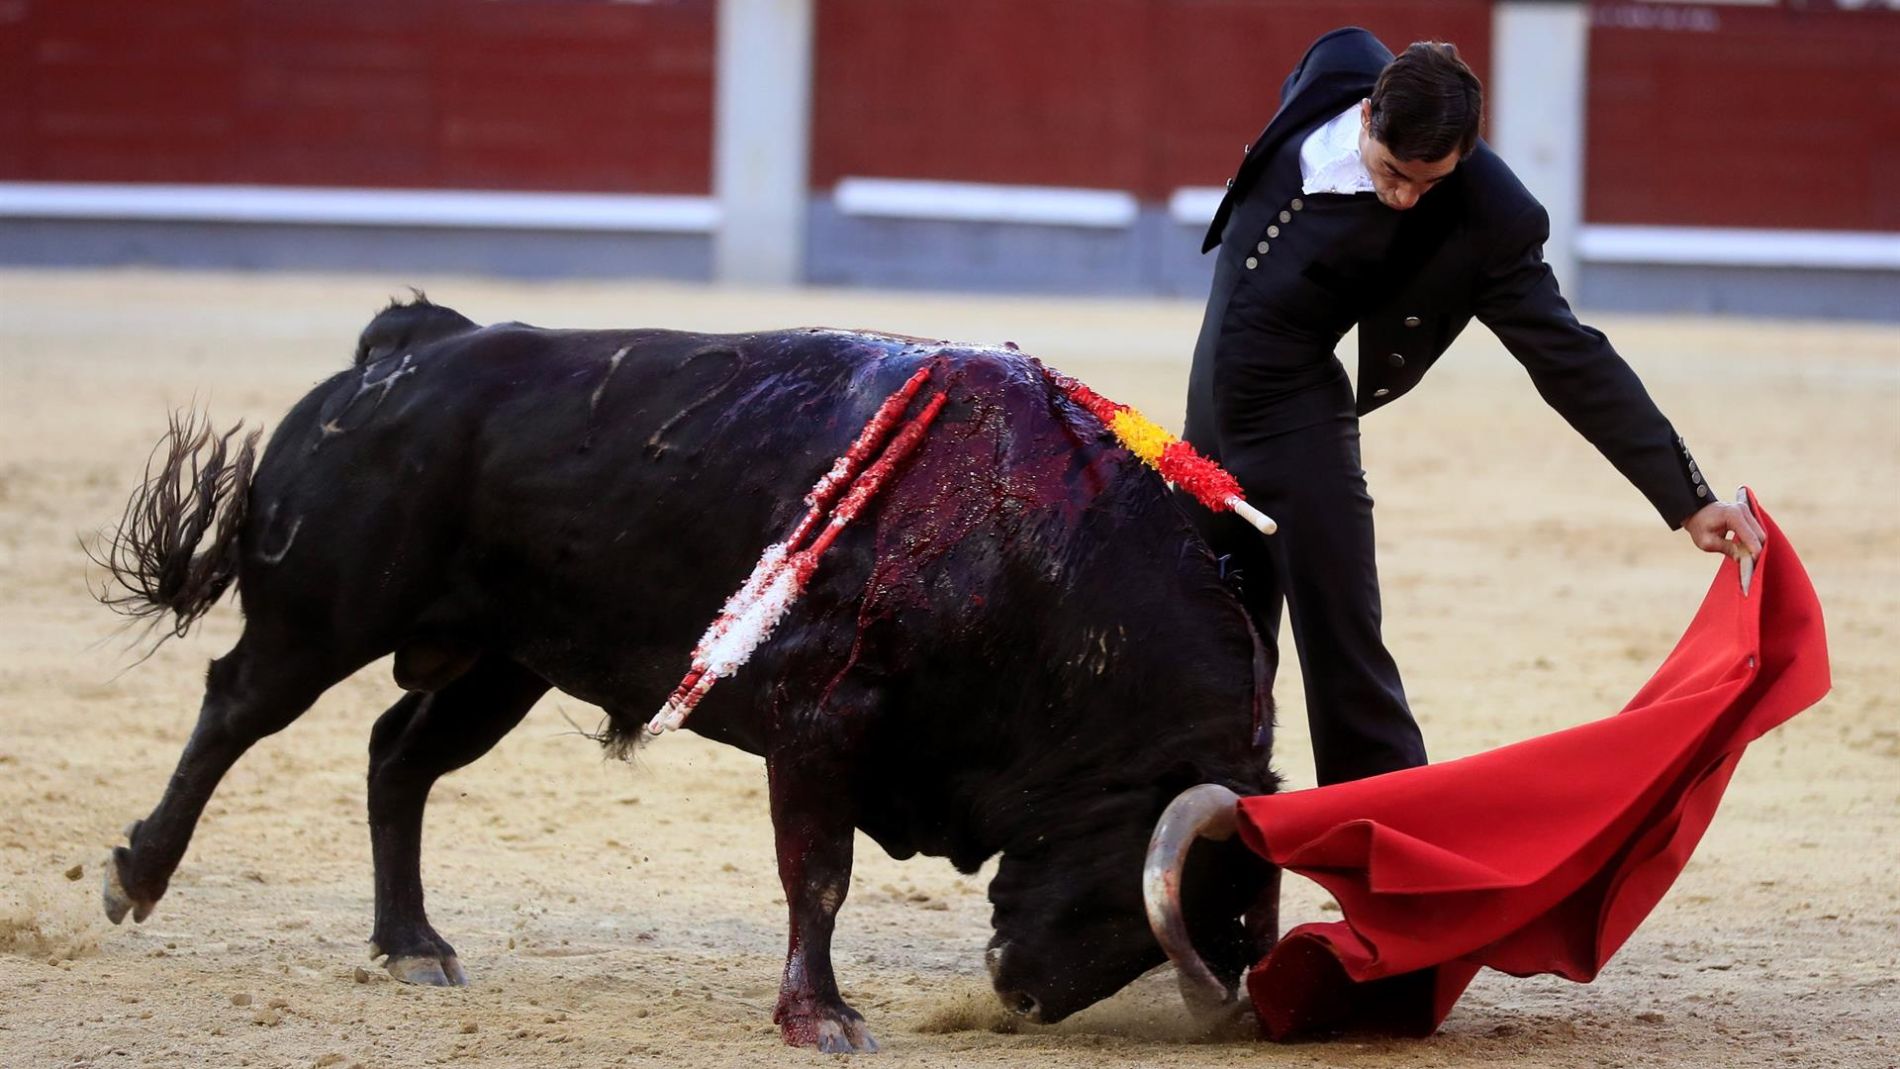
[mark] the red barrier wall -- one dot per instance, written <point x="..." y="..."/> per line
<point x="473" y="94"/>
<point x="1142" y="95"/>
<point x="1699" y="114"/>
<point x="1725" y="115"/>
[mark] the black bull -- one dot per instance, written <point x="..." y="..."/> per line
<point x="1022" y="648"/>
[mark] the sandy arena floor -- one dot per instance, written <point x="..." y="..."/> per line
<point x="614" y="915"/>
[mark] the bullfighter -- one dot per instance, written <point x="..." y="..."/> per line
<point x="1369" y="199"/>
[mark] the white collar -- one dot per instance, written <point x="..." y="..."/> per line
<point x="1329" y="157"/>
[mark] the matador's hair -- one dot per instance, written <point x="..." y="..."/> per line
<point x="1427" y="104"/>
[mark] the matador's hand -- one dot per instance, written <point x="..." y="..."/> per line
<point x="1725" y="527"/>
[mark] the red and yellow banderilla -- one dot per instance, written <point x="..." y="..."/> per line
<point x="1177" y="461"/>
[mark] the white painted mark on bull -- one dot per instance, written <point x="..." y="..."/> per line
<point x="1099" y="649"/>
<point x="382" y="385"/>
<point x="324" y="431"/>
<point x="271" y="521"/>
<point x="334" y="425"/>
<point x="613" y="365"/>
<point x="656" y="443"/>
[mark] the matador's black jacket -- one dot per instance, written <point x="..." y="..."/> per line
<point x="1472" y="246"/>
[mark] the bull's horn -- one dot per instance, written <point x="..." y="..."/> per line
<point x="1203" y="812"/>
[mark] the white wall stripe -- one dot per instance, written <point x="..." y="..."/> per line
<point x="982" y="203"/>
<point x="1195" y="205"/>
<point x="478" y="209"/>
<point x="955" y="201"/>
<point x="1739" y="247"/>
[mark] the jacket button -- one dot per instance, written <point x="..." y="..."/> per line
<point x="1298" y="204"/>
<point x="1286" y="217"/>
<point x="1252" y="263"/>
<point x="1380" y="392"/>
<point x="1396" y="359"/>
<point x="1411" y="321"/>
<point x="1261" y="248"/>
<point x="1273" y="231"/>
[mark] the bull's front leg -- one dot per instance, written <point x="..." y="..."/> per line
<point x="812" y="827"/>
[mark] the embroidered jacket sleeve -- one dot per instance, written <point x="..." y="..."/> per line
<point x="1579" y="374"/>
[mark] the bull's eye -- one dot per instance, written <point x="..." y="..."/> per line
<point x="1025" y="1004"/>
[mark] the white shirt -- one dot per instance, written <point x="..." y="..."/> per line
<point x="1329" y="158"/>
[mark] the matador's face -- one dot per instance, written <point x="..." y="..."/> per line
<point x="1398" y="183"/>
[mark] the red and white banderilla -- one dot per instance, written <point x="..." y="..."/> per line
<point x="785" y="568"/>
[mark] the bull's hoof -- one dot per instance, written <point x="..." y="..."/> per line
<point x="430" y="970"/>
<point x="119" y="901"/>
<point x="839" y="1031"/>
<point x="416" y="955"/>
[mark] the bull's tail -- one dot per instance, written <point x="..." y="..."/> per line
<point x="153" y="559"/>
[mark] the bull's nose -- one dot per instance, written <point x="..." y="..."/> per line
<point x="1021" y="1003"/>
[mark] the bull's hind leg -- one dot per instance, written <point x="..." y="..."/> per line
<point x="812" y="828"/>
<point x="421" y="738"/>
<point x="250" y="692"/>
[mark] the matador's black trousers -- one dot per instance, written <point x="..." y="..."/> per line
<point x="1297" y="459"/>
